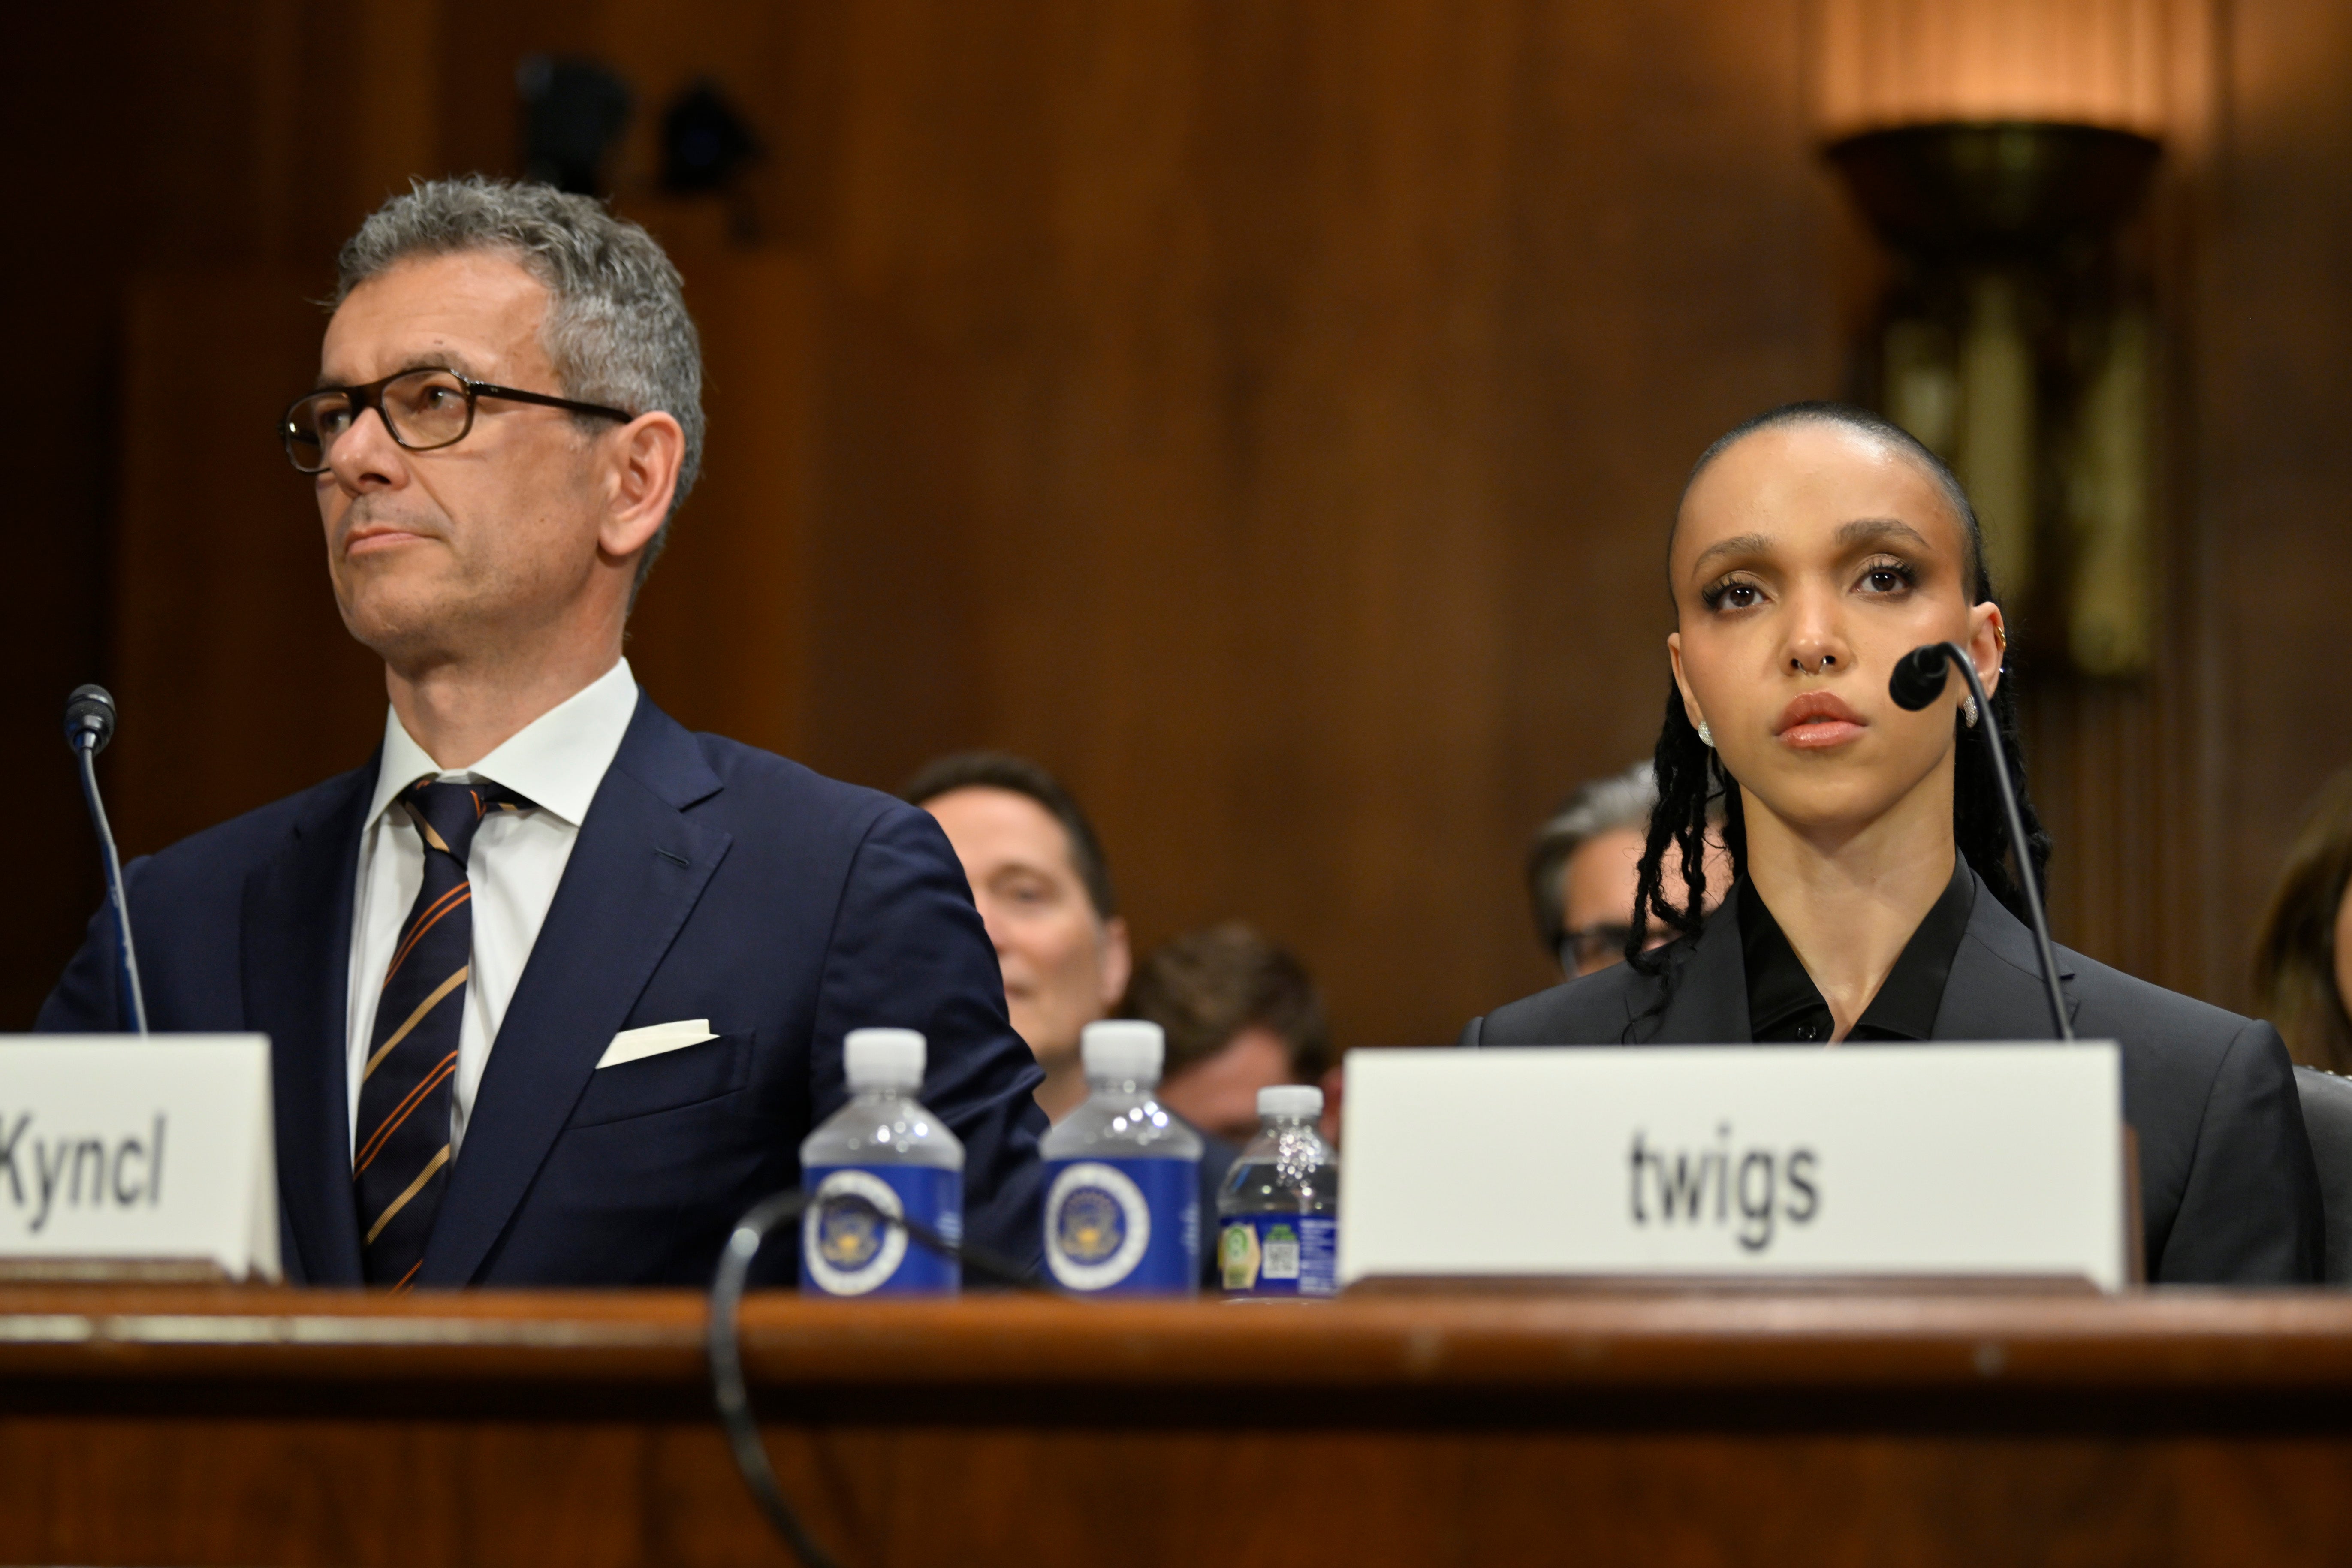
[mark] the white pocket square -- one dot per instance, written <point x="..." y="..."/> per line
<point x="635" y="1044"/>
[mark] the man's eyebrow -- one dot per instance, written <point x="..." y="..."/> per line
<point x="1737" y="544"/>
<point x="1023" y="867"/>
<point x="1869" y="530"/>
<point x="439" y="360"/>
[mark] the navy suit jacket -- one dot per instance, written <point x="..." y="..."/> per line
<point x="2229" y="1194"/>
<point x="710" y="880"/>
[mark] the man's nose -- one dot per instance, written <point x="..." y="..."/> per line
<point x="366" y="457"/>
<point x="991" y="918"/>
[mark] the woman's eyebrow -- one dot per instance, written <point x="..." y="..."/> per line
<point x="1737" y="544"/>
<point x="1877" y="530"/>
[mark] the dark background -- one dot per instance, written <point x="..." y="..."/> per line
<point x="1265" y="415"/>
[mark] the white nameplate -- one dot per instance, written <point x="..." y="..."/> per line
<point x="119" y="1148"/>
<point x="1662" y="1162"/>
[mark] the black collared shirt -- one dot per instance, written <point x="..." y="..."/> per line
<point x="1783" y="1002"/>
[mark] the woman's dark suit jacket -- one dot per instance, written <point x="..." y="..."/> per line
<point x="2227" y="1185"/>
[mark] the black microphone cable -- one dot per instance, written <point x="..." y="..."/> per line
<point x="1918" y="681"/>
<point x="725" y="1345"/>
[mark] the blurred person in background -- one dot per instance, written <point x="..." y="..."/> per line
<point x="2303" y="959"/>
<point x="1241" y="1014"/>
<point x="1038" y="874"/>
<point x="1585" y="862"/>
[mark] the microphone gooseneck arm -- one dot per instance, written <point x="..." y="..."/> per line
<point x="89" y="725"/>
<point x="85" y="745"/>
<point x="1914" y="687"/>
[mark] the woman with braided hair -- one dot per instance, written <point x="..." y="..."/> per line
<point x="1871" y="897"/>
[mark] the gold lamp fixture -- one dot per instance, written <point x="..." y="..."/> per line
<point x="1999" y="149"/>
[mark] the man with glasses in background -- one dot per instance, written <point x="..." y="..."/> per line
<point x="1581" y="871"/>
<point x="555" y="988"/>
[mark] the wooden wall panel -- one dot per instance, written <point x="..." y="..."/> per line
<point x="57" y="409"/>
<point x="1333" y="374"/>
<point x="2273" y="329"/>
<point x="1266" y="415"/>
<point x="720" y="634"/>
<point x="236" y="681"/>
<point x="2119" y="767"/>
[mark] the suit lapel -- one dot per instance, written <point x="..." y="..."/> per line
<point x="638" y="869"/>
<point x="1994" y="991"/>
<point x="1707" y="1002"/>
<point x="297" y="958"/>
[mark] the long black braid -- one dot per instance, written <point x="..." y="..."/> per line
<point x="1693" y="789"/>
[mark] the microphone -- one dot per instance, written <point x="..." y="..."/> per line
<point x="89" y="725"/>
<point x="1918" y="681"/>
<point x="90" y="713"/>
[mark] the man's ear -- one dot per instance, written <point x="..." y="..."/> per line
<point x="1117" y="960"/>
<point x="642" y="462"/>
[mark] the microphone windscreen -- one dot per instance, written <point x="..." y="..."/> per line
<point x="90" y="711"/>
<point x="1918" y="678"/>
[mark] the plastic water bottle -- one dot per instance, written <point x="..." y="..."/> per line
<point x="1123" y="1175"/>
<point x="1278" y="1210"/>
<point x="885" y="1148"/>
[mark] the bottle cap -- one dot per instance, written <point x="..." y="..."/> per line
<point x="1123" y="1048"/>
<point x="1290" y="1099"/>
<point x="882" y="1059"/>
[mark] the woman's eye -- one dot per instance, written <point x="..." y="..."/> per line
<point x="1886" y="579"/>
<point x="1737" y="597"/>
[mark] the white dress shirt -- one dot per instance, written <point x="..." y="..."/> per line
<point x="556" y="761"/>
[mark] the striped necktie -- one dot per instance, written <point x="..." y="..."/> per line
<point x="401" y="1165"/>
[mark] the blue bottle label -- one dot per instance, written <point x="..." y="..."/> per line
<point x="1279" y="1255"/>
<point x="850" y="1249"/>
<point x="1130" y="1226"/>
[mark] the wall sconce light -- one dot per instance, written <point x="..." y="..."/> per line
<point x="573" y="112"/>
<point x="1999" y="149"/>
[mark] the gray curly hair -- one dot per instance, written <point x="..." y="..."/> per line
<point x="616" y="327"/>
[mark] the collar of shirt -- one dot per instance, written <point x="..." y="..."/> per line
<point x="556" y="761"/>
<point x="1784" y="1005"/>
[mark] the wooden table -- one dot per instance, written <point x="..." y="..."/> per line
<point x="218" y="1426"/>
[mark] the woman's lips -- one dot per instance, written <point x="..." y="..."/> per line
<point x="1818" y="721"/>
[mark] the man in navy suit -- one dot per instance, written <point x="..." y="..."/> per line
<point x="555" y="988"/>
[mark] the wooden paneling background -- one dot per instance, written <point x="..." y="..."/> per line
<point x="2273" y="440"/>
<point x="1265" y="415"/>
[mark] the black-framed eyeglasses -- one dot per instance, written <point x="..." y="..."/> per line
<point x="1592" y="947"/>
<point x="423" y="409"/>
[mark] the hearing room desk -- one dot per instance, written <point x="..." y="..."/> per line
<point x="216" y="1426"/>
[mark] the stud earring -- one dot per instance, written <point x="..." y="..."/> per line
<point x="1968" y="709"/>
<point x="1706" y="735"/>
